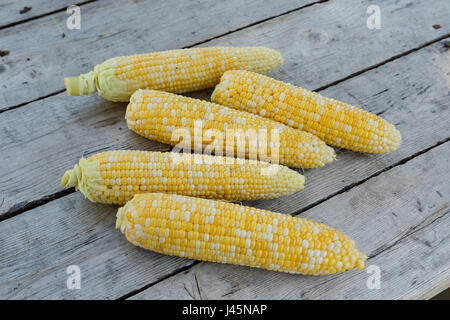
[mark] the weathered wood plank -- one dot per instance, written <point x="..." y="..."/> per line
<point x="16" y="11"/>
<point x="38" y="246"/>
<point x="333" y="39"/>
<point x="40" y="57"/>
<point x="43" y="139"/>
<point x="399" y="218"/>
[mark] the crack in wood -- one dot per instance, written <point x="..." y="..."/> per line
<point x="198" y="285"/>
<point x="411" y="231"/>
<point x="393" y="58"/>
<point x="180" y="270"/>
<point x="188" y="292"/>
<point x="354" y="184"/>
<point x="186" y="47"/>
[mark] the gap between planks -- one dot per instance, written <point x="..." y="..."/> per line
<point x="345" y="189"/>
<point x="393" y="58"/>
<point x="34" y="204"/>
<point x="185" y="47"/>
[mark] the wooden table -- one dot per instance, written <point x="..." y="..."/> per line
<point x="395" y="206"/>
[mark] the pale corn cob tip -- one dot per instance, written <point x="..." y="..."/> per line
<point x="337" y="123"/>
<point x="159" y="115"/>
<point x="116" y="176"/>
<point x="224" y="232"/>
<point x="179" y="70"/>
<point x="81" y="177"/>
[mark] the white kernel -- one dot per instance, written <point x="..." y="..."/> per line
<point x="305" y="244"/>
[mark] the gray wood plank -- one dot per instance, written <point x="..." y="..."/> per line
<point x="38" y="246"/>
<point x="43" y="139"/>
<point x="40" y="57"/>
<point x="420" y="132"/>
<point x="333" y="40"/>
<point x="399" y="218"/>
<point x="15" y="11"/>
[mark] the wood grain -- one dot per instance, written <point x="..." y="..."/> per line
<point x="15" y="11"/>
<point x="40" y="57"/>
<point x="399" y="218"/>
<point x="38" y="246"/>
<point x="43" y="139"/>
<point x="332" y="40"/>
<point x="371" y="201"/>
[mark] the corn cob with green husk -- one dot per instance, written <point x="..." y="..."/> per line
<point x="116" y="176"/>
<point x="337" y="123"/>
<point x="173" y="70"/>
<point x="224" y="232"/>
<point x="167" y="118"/>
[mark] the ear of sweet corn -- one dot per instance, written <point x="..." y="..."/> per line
<point x="337" y="123"/>
<point x="173" y="70"/>
<point x="230" y="233"/>
<point x="116" y="176"/>
<point x="202" y="125"/>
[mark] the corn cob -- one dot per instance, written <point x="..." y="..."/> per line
<point x="337" y="123"/>
<point x="159" y="115"/>
<point x="173" y="70"/>
<point x="116" y="176"/>
<point x="224" y="232"/>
